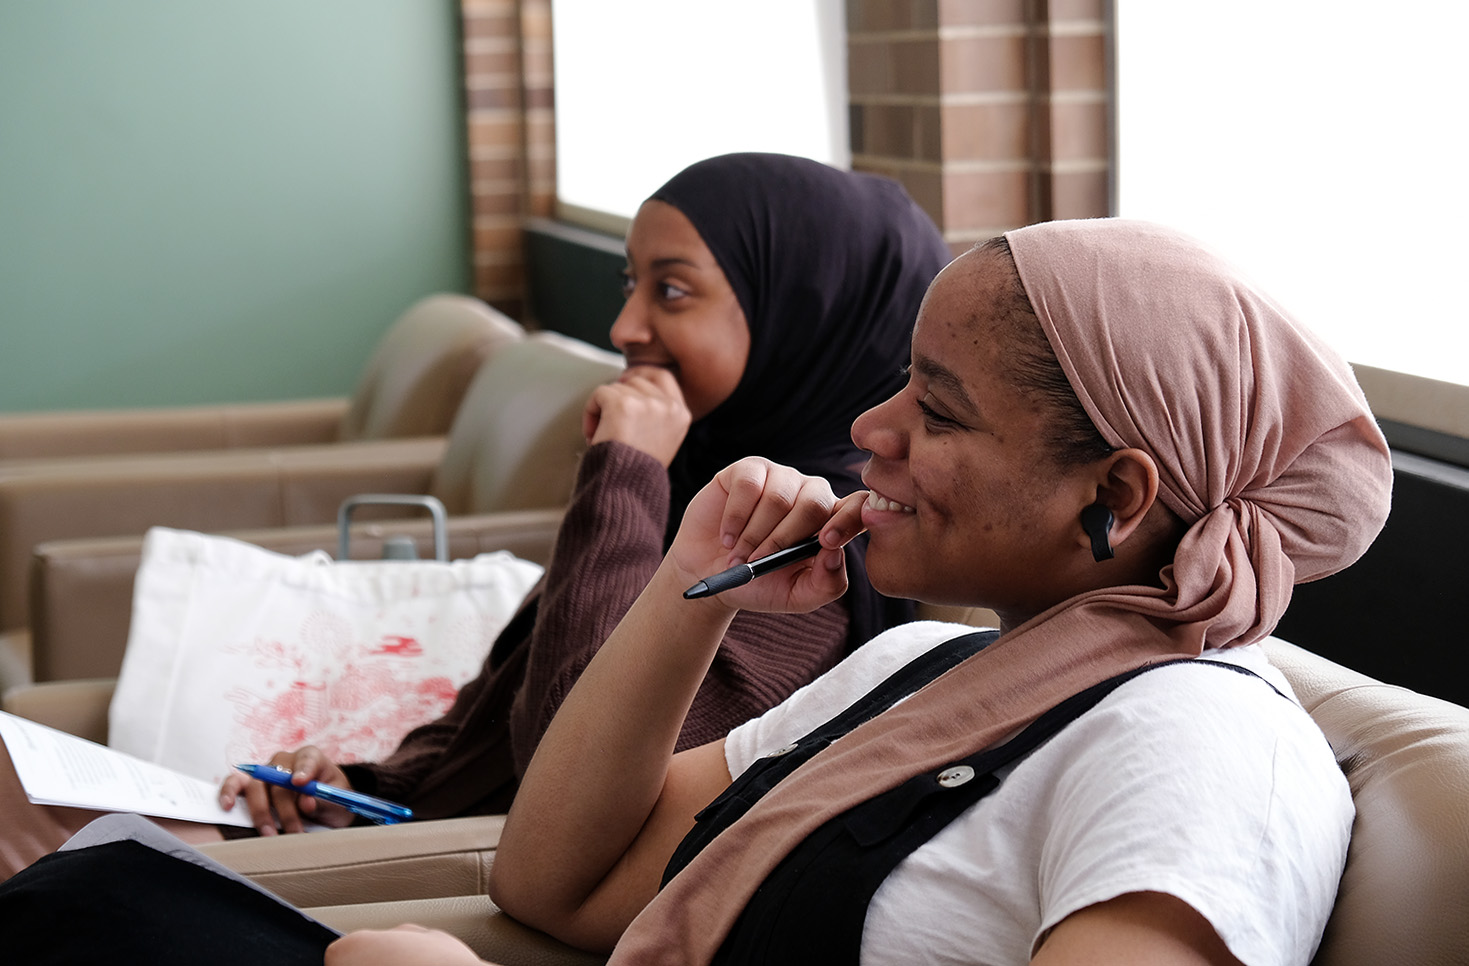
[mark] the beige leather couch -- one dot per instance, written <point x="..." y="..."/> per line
<point x="411" y="386"/>
<point x="268" y="463"/>
<point x="1402" y="899"/>
<point x="514" y="446"/>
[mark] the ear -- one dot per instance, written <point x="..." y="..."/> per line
<point x="1127" y="484"/>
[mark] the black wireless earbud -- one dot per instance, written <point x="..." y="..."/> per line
<point x="1096" y="520"/>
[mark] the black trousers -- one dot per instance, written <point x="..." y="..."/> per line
<point x="125" y="903"/>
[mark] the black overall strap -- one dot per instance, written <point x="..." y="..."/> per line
<point x="813" y="905"/>
<point x="763" y="774"/>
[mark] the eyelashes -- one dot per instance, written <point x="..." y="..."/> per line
<point x="932" y="417"/>
<point x="667" y="291"/>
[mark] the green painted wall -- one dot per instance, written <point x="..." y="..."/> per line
<point x="207" y="201"/>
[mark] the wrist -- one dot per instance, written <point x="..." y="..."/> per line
<point x="669" y="583"/>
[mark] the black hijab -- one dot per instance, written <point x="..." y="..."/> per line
<point x="829" y="267"/>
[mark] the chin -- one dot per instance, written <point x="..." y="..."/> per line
<point x="890" y="582"/>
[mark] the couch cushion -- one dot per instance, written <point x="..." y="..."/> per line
<point x="416" y="378"/>
<point x="1403" y="896"/>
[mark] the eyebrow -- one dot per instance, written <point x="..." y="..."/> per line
<point x="660" y="263"/>
<point x="945" y="379"/>
<point x="666" y="262"/>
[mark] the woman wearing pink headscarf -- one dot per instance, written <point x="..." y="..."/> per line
<point x="1129" y="454"/>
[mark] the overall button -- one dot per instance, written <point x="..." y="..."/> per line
<point x="955" y="775"/>
<point x="782" y="751"/>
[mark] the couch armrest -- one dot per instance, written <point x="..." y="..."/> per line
<point x="476" y="920"/>
<point x="1406" y="757"/>
<point x="76" y="707"/>
<point x="49" y="435"/>
<point x="118" y="496"/>
<point x="82" y="590"/>
<point x="415" y="860"/>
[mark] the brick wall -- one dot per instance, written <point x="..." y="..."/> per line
<point x="993" y="114"/>
<point x="512" y="160"/>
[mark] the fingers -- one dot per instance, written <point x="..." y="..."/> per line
<point x="754" y="508"/>
<point x="845" y="523"/>
<point x="591" y="417"/>
<point x="770" y="507"/>
<point x="645" y="409"/>
<point x="274" y="808"/>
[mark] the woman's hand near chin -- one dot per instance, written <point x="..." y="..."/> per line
<point x="644" y="408"/>
<point x="752" y="509"/>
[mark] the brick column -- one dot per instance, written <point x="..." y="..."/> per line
<point x="512" y="157"/>
<point x="993" y="113"/>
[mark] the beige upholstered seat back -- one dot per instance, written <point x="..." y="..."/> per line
<point x="416" y="378"/>
<point x="518" y="435"/>
<point x="1405" y="895"/>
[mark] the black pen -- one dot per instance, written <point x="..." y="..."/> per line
<point x="741" y="574"/>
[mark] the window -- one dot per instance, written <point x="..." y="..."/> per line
<point x="1319" y="145"/>
<point x="646" y="87"/>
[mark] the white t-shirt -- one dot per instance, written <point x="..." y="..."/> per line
<point x="1194" y="781"/>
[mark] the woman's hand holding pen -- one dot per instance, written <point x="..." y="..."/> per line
<point x="269" y="804"/>
<point x="754" y="508"/>
<point x="644" y="408"/>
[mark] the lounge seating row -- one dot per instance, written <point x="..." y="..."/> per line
<point x="71" y="528"/>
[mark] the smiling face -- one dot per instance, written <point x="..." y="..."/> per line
<point x="681" y="313"/>
<point x="969" y="504"/>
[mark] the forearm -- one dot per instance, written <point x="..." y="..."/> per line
<point x="605" y="800"/>
<point x="761" y="661"/>
<point x="583" y="849"/>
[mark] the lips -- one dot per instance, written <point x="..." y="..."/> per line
<point x="635" y="361"/>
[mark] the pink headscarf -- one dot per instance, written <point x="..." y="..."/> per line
<point x="1267" y="450"/>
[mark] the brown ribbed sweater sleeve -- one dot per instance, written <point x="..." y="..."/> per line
<point x="609" y="545"/>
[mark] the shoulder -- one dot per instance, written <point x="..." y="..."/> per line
<point x="1207" y="784"/>
<point x="1195" y="724"/>
<point x="833" y="691"/>
<point x="1235" y="690"/>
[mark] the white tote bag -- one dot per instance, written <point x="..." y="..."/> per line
<point x="236" y="652"/>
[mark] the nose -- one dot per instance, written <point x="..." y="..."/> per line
<point x="879" y="430"/>
<point x="631" y="325"/>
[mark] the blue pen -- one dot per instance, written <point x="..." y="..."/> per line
<point x="379" y="810"/>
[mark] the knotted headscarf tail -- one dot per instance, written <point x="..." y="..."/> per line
<point x="1268" y="451"/>
<point x="830" y="267"/>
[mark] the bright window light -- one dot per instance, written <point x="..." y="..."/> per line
<point x="646" y="87"/>
<point x="1319" y="145"/>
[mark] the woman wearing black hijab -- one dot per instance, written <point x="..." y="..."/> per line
<point x="770" y="299"/>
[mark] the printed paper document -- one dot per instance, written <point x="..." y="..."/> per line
<point x="61" y="769"/>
